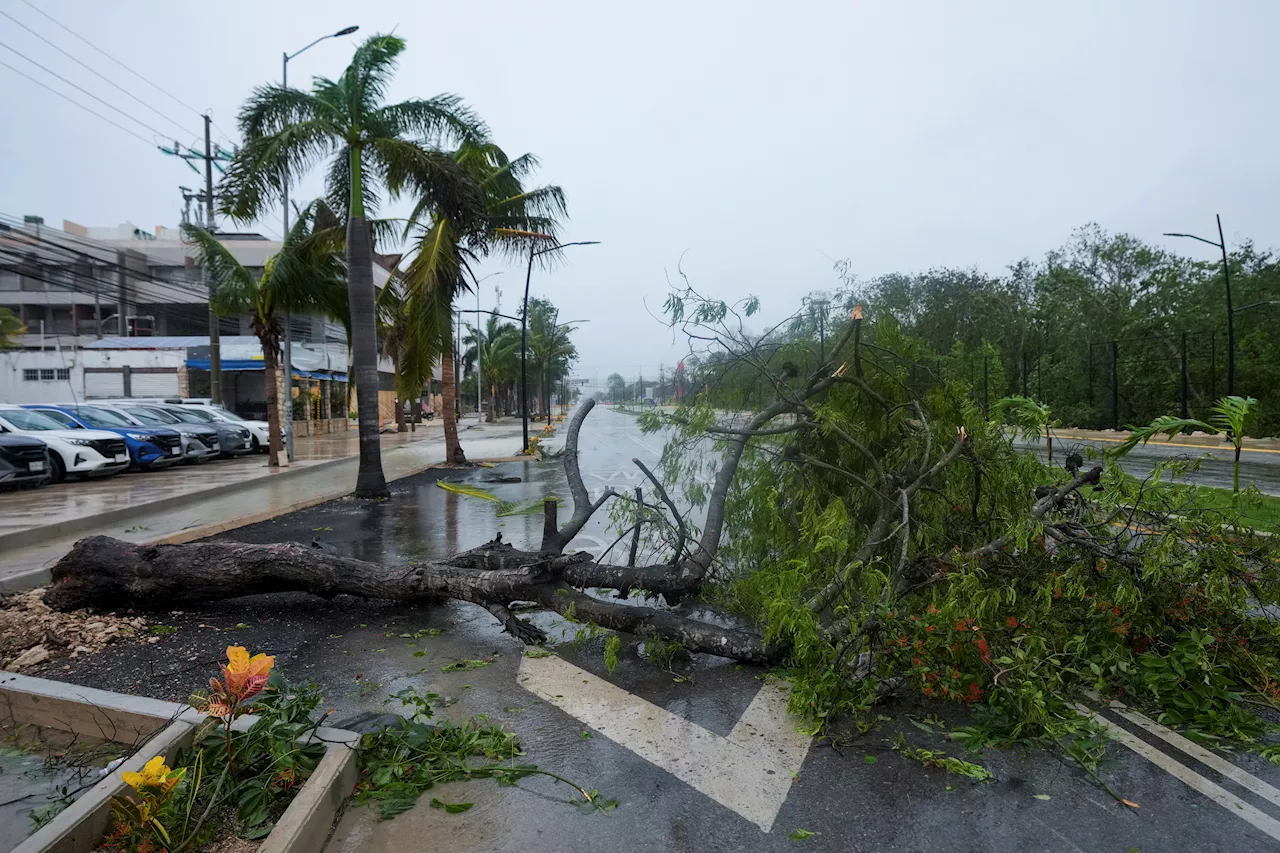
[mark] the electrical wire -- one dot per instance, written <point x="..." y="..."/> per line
<point x="132" y="133"/>
<point x="112" y="58"/>
<point x="159" y="133"/>
<point x="93" y="71"/>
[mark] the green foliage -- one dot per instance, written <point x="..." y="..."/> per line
<point x="401" y="761"/>
<point x="10" y="328"/>
<point x="970" y="599"/>
<point x="1232" y="417"/>
<point x="611" y="647"/>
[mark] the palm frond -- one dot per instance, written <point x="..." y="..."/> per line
<point x="337" y="186"/>
<point x="255" y="178"/>
<point x="366" y="79"/>
<point x="1232" y="415"/>
<point x="433" y="122"/>
<point x="443" y="189"/>
<point x="1166" y="424"/>
<point x="272" y="109"/>
<point x="235" y="288"/>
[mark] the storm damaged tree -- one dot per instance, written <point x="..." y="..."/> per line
<point x="855" y="518"/>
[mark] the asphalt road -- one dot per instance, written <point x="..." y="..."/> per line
<point x="1260" y="467"/>
<point x="685" y="750"/>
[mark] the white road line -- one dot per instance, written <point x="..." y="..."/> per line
<point x="1226" y="768"/>
<point x="1186" y="775"/>
<point x="750" y="771"/>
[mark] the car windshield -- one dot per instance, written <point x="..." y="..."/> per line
<point x="194" y="416"/>
<point x="27" y="419"/>
<point x="184" y="415"/>
<point x="96" y="417"/>
<point x="155" y="417"/>
<point x="222" y="415"/>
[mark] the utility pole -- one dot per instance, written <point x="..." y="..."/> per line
<point x="215" y="344"/>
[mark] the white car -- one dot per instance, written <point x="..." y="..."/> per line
<point x="72" y="452"/>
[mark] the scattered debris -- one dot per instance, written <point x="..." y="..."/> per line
<point x="32" y="633"/>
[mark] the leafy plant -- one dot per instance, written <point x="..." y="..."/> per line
<point x="1231" y="416"/>
<point x="1033" y="419"/>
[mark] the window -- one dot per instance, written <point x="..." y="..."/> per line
<point x="46" y="374"/>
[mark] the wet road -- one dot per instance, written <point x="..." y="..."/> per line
<point x="863" y="797"/>
<point x="1260" y="467"/>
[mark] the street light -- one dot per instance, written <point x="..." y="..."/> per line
<point x="1231" y="314"/>
<point x="524" y="323"/>
<point x="288" y="315"/>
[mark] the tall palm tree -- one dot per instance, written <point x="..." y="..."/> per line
<point x="446" y="244"/>
<point x="377" y="146"/>
<point x="497" y="344"/>
<point x="550" y="350"/>
<point x="307" y="275"/>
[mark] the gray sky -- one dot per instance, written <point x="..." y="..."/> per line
<point x="760" y="137"/>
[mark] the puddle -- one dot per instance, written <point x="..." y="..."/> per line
<point x="43" y="770"/>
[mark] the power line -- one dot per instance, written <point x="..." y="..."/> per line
<point x="159" y="133"/>
<point x="112" y="58"/>
<point x="78" y="104"/>
<point x="95" y="72"/>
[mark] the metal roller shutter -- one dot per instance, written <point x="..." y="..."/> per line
<point x="104" y="384"/>
<point x="153" y="384"/>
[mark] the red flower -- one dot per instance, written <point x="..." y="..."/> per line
<point x="929" y="628"/>
<point x="983" y="650"/>
<point x="928" y="691"/>
<point x="916" y="662"/>
<point x="1012" y="622"/>
<point x="961" y="625"/>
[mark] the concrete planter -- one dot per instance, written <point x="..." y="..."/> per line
<point x="163" y="728"/>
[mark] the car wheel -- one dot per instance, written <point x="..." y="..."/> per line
<point x="257" y="448"/>
<point x="57" y="470"/>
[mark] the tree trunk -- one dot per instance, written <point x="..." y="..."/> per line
<point x="270" y="364"/>
<point x="452" y="447"/>
<point x="492" y="416"/>
<point x="370" y="481"/>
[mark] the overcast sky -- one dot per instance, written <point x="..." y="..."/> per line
<point x="760" y="138"/>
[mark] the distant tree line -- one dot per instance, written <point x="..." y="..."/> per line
<point x="1099" y="330"/>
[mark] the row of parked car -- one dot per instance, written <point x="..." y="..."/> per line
<point x="43" y="443"/>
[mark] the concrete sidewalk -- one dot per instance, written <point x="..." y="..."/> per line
<point x="181" y="506"/>
<point x="1262" y="445"/>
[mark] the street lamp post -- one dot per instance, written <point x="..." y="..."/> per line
<point x="1231" y="313"/>
<point x="288" y="315"/>
<point x="524" y="330"/>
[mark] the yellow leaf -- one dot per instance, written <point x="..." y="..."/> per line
<point x="1130" y="803"/>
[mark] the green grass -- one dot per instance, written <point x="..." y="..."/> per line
<point x="1258" y="511"/>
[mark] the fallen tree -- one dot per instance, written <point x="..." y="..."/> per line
<point x="869" y="525"/>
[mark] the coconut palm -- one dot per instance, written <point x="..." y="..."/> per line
<point x="307" y="275"/>
<point x="445" y="246"/>
<point x="498" y="346"/>
<point x="374" y="147"/>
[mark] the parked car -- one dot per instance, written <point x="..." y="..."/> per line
<point x="233" y="440"/>
<point x="199" y="443"/>
<point x="257" y="429"/>
<point x="24" y="461"/>
<point x="75" y="452"/>
<point x="150" y="448"/>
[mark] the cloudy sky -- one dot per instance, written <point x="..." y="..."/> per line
<point x="759" y="139"/>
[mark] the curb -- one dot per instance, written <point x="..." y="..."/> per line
<point x="36" y="535"/>
<point x="39" y="577"/>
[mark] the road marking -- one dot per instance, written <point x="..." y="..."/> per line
<point x="1216" y="762"/>
<point x="1186" y="775"/>
<point x="750" y="771"/>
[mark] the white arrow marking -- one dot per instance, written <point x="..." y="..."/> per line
<point x="750" y="771"/>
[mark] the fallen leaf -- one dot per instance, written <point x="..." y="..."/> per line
<point x="1130" y="803"/>
<point x="1042" y="796"/>
<point x="800" y="834"/>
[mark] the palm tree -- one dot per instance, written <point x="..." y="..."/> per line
<point x="498" y="345"/>
<point x="377" y="146"/>
<point x="448" y="243"/>
<point x="1231" y="416"/>
<point x="307" y="275"/>
<point x="392" y="331"/>
<point x="550" y="350"/>
<point x="10" y="328"/>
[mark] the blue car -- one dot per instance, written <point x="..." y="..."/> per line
<point x="150" y="447"/>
